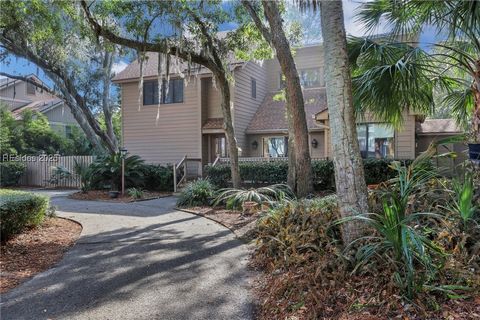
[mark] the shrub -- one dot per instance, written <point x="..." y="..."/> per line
<point x="84" y="174"/>
<point x="157" y="177"/>
<point x="135" y="193"/>
<point x="401" y="237"/>
<point x="10" y="173"/>
<point x="196" y="193"/>
<point x="19" y="210"/>
<point x="298" y="232"/>
<point x="271" y="195"/>
<point x="108" y="171"/>
<point x="60" y="175"/>
<point x="275" y="172"/>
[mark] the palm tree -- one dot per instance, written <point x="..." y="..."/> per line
<point x="395" y="73"/>
<point x="349" y="175"/>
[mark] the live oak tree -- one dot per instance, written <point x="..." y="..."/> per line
<point x="46" y="35"/>
<point x="191" y="36"/>
<point x="299" y="168"/>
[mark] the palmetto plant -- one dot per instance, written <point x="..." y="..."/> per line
<point x="271" y="194"/>
<point x="394" y="73"/>
<point x="462" y="199"/>
<point x="109" y="170"/>
<point x="84" y="174"/>
<point x="399" y="235"/>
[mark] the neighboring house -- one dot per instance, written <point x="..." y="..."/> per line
<point x="19" y="95"/>
<point x="190" y="118"/>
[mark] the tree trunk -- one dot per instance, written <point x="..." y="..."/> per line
<point x="476" y="99"/>
<point x="107" y="109"/>
<point x="349" y="174"/>
<point x="300" y="166"/>
<point x="228" y="127"/>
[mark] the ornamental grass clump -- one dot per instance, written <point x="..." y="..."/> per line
<point x="196" y="193"/>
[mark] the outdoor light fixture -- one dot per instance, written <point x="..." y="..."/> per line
<point x="255" y="144"/>
<point x="123" y="153"/>
<point x="314" y="143"/>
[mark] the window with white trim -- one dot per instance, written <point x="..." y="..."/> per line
<point x="275" y="147"/>
<point x="376" y="140"/>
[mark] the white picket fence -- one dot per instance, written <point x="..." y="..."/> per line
<point x="39" y="170"/>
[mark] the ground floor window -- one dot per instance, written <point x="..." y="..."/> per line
<point x="275" y="147"/>
<point x="376" y="140"/>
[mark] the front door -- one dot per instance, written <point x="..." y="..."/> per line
<point x="218" y="147"/>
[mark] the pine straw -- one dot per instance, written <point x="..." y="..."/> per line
<point x="35" y="250"/>
<point x="304" y="292"/>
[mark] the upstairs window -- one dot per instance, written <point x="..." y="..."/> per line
<point x="309" y="78"/>
<point x="254" y="88"/>
<point x="175" y="92"/>
<point x="31" y="89"/>
<point x="376" y="140"/>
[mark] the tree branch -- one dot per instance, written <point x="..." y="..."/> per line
<point x="258" y="22"/>
<point x="144" y="45"/>
<point x="25" y="79"/>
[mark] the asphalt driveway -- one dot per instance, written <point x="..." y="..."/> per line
<point x="140" y="260"/>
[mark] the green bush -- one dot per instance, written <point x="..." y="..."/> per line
<point x="135" y="193"/>
<point x="10" y="173"/>
<point x="107" y="171"/>
<point x="275" y="172"/>
<point x="235" y="198"/>
<point x="19" y="210"/>
<point x="197" y="193"/>
<point x="157" y="177"/>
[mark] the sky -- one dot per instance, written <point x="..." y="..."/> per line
<point x="353" y="27"/>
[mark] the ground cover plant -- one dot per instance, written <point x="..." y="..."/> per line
<point x="417" y="261"/>
<point x="20" y="210"/>
<point x="197" y="193"/>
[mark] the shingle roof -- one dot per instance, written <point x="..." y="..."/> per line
<point x="132" y="71"/>
<point x="271" y="115"/>
<point x="213" y="123"/>
<point x="435" y="126"/>
<point x="40" y="106"/>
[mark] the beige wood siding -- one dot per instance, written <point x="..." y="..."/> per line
<point x="244" y="105"/>
<point x="21" y="93"/>
<point x="61" y="114"/>
<point x="212" y="99"/>
<point x="319" y="151"/>
<point x="405" y="139"/>
<point x="177" y="133"/>
<point x="305" y="58"/>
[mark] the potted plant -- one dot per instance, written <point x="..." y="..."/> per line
<point x="473" y="140"/>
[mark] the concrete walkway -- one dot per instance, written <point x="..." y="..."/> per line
<point x="141" y="260"/>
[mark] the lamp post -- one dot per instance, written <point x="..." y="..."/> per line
<point x="123" y="153"/>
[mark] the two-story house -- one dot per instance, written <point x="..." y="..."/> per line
<point x="18" y="95"/>
<point x="190" y="118"/>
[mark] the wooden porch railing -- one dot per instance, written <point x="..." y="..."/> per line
<point x="219" y="160"/>
<point x="184" y="176"/>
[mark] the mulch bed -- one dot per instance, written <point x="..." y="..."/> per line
<point x="233" y="220"/>
<point x="35" y="250"/>
<point x="103" y="196"/>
